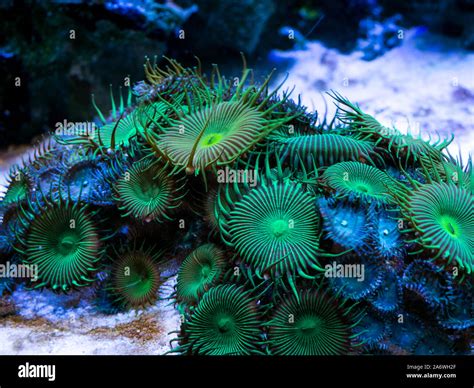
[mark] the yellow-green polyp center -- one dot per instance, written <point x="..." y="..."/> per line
<point x="211" y="139"/>
<point x="362" y="188"/>
<point x="449" y="224"/>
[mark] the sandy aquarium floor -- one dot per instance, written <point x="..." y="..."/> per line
<point x="414" y="86"/>
<point x="41" y="322"/>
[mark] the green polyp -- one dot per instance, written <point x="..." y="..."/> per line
<point x="286" y="217"/>
<point x="362" y="188"/>
<point x="199" y="271"/>
<point x="309" y="325"/>
<point x="225" y="324"/>
<point x="451" y="228"/>
<point x="17" y="191"/>
<point x="20" y="192"/>
<point x="67" y="243"/>
<point x="205" y="271"/>
<point x="443" y="214"/>
<point x="66" y="257"/>
<point x="366" y="183"/>
<point x="449" y="224"/>
<point x="279" y="228"/>
<point x="148" y="190"/>
<point x="140" y="285"/>
<point x="319" y="326"/>
<point x="233" y="125"/>
<point x="135" y="278"/>
<point x="211" y="139"/>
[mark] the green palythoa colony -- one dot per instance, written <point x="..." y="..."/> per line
<point x="294" y="235"/>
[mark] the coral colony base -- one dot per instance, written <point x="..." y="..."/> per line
<point x="296" y="236"/>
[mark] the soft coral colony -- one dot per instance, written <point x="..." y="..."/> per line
<point x="109" y="210"/>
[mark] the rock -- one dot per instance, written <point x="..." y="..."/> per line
<point x="70" y="50"/>
<point x="377" y="37"/>
<point x="7" y="306"/>
<point x="228" y="24"/>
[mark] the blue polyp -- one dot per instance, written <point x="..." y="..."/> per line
<point x="401" y="176"/>
<point x="430" y="282"/>
<point x="351" y="287"/>
<point x="6" y="285"/>
<point x="388" y="296"/>
<point x="433" y="344"/>
<point x="371" y="330"/>
<point x="88" y="184"/>
<point x="345" y="225"/>
<point x="406" y="334"/>
<point x="459" y="314"/>
<point x="47" y="179"/>
<point x="388" y="239"/>
<point x="7" y="282"/>
<point x="9" y="225"/>
<point x="5" y="238"/>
